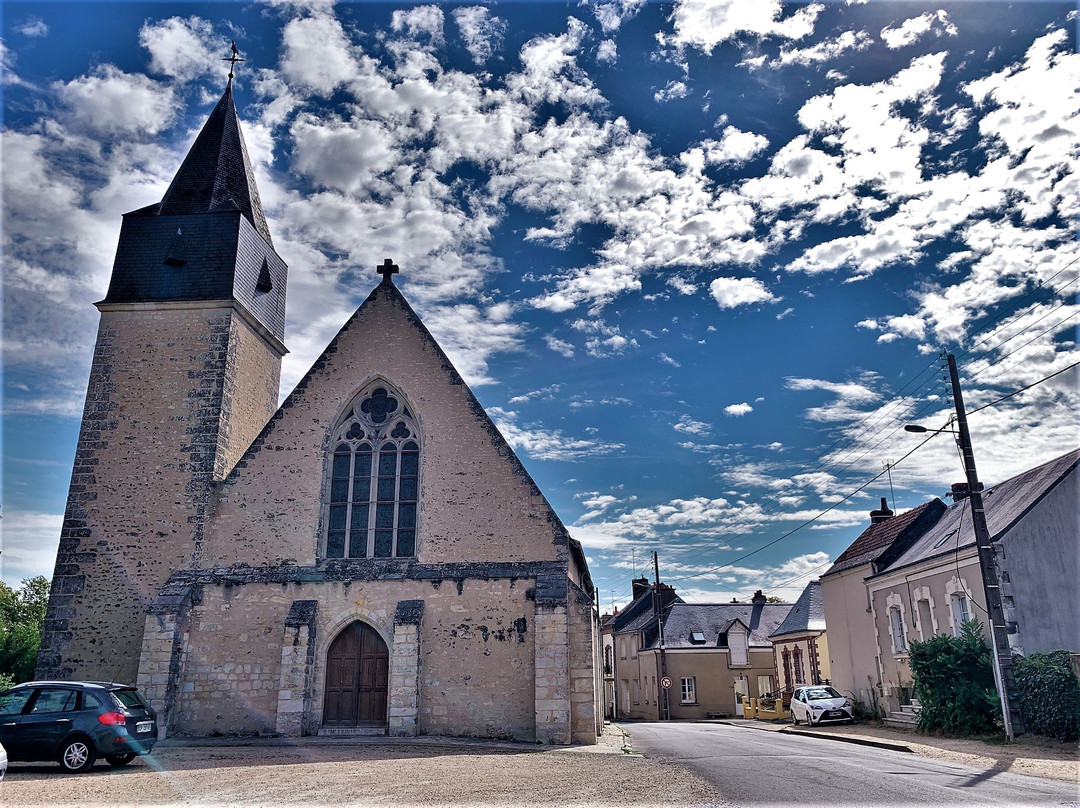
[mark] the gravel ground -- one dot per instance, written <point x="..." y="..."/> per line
<point x="372" y="773"/>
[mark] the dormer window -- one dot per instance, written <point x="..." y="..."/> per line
<point x="697" y="637"/>
<point x="721" y="641"/>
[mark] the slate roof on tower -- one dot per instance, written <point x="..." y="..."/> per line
<point x="216" y="175"/>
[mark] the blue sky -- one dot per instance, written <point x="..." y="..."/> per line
<point x="698" y="259"/>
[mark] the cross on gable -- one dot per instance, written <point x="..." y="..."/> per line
<point x="386" y="269"/>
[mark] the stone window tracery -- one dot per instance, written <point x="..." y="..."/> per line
<point x="374" y="475"/>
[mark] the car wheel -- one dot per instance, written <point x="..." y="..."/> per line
<point x="794" y="720"/>
<point x="77" y="755"/>
<point x="120" y="760"/>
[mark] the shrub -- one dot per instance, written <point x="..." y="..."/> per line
<point x="954" y="683"/>
<point x="1049" y="695"/>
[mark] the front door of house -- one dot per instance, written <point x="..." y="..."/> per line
<point x="357" y="665"/>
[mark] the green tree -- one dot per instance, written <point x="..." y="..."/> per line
<point x="954" y="683"/>
<point x="22" y="617"/>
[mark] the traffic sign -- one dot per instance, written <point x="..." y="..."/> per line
<point x="665" y="682"/>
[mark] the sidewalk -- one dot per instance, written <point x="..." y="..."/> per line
<point x="1035" y="757"/>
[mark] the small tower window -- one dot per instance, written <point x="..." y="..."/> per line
<point x="374" y="475"/>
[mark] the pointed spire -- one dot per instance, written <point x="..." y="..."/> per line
<point x="216" y="175"/>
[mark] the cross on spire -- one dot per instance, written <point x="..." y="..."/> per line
<point x="386" y="269"/>
<point x="232" y="60"/>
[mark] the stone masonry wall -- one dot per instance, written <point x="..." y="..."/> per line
<point x="585" y="710"/>
<point x="475" y="646"/>
<point x="476" y="501"/>
<point x="143" y="474"/>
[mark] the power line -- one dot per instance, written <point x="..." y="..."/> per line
<point x="1022" y="389"/>
<point x="809" y="521"/>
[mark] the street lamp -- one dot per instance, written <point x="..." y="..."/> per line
<point x="995" y="614"/>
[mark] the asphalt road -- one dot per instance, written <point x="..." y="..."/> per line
<point x="750" y="767"/>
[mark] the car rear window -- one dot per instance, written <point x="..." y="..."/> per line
<point x="90" y="701"/>
<point x="129" y="698"/>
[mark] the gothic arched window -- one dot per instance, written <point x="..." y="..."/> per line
<point x="374" y="473"/>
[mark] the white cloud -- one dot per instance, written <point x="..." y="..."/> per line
<point x="691" y="427"/>
<point x="737" y="410"/>
<point x="731" y="293"/>
<point x="317" y="56"/>
<point x="705" y="24"/>
<point x="735" y="146"/>
<point x="543" y="444"/>
<point x="420" y="22"/>
<point x="673" y="89"/>
<point x="481" y="32"/>
<point x="29" y="540"/>
<point x="32" y="27"/>
<point x="824" y="51"/>
<point x="183" y="49"/>
<point x="559" y="346"/>
<point x="611" y="14"/>
<point x="607" y="52"/>
<point x="667" y="360"/>
<point x="111" y="103"/>
<point x="911" y="30"/>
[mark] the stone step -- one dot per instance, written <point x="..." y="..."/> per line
<point x="900" y="720"/>
<point x="352" y="732"/>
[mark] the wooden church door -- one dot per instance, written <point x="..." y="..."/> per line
<point x="357" y="667"/>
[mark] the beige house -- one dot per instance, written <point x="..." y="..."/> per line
<point x="369" y="557"/>
<point x="924" y="578"/>
<point x="800" y="646"/>
<point x="714" y="654"/>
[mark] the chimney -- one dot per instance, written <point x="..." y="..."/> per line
<point x="641" y="586"/>
<point x="759" y="597"/>
<point x="882" y="514"/>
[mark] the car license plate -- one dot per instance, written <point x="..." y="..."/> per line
<point x="144" y="726"/>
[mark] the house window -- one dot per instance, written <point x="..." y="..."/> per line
<point x="737" y="643"/>
<point x="607" y="660"/>
<point x="688" y="688"/>
<point x="764" y="685"/>
<point x="374" y="473"/>
<point x="960" y="613"/>
<point x="635" y="691"/>
<point x="787" y="668"/>
<point x="697" y="637"/>
<point x="896" y="624"/>
<point x="797" y="657"/>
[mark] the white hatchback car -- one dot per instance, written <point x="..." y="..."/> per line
<point x="817" y="704"/>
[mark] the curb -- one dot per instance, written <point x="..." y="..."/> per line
<point x="855" y="739"/>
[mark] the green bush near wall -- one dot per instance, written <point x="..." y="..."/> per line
<point x="1049" y="695"/>
<point x="954" y="683"/>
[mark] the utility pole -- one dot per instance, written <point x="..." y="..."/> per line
<point x="666" y="713"/>
<point x="999" y="635"/>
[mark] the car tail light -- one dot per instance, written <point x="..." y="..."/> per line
<point x="112" y="719"/>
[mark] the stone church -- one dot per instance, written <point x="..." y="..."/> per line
<point x="369" y="557"/>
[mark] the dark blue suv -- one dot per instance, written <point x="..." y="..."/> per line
<point x="76" y="722"/>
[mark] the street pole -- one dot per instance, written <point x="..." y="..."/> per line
<point x="666" y="714"/>
<point x="995" y="614"/>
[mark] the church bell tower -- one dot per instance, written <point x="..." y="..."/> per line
<point x="185" y="375"/>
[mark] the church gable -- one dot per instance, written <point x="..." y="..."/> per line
<point x="382" y="451"/>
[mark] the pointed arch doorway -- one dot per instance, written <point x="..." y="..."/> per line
<point x="357" y="666"/>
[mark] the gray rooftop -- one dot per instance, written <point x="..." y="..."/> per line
<point x="762" y="619"/>
<point x="808" y="613"/>
<point x="1004" y="504"/>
